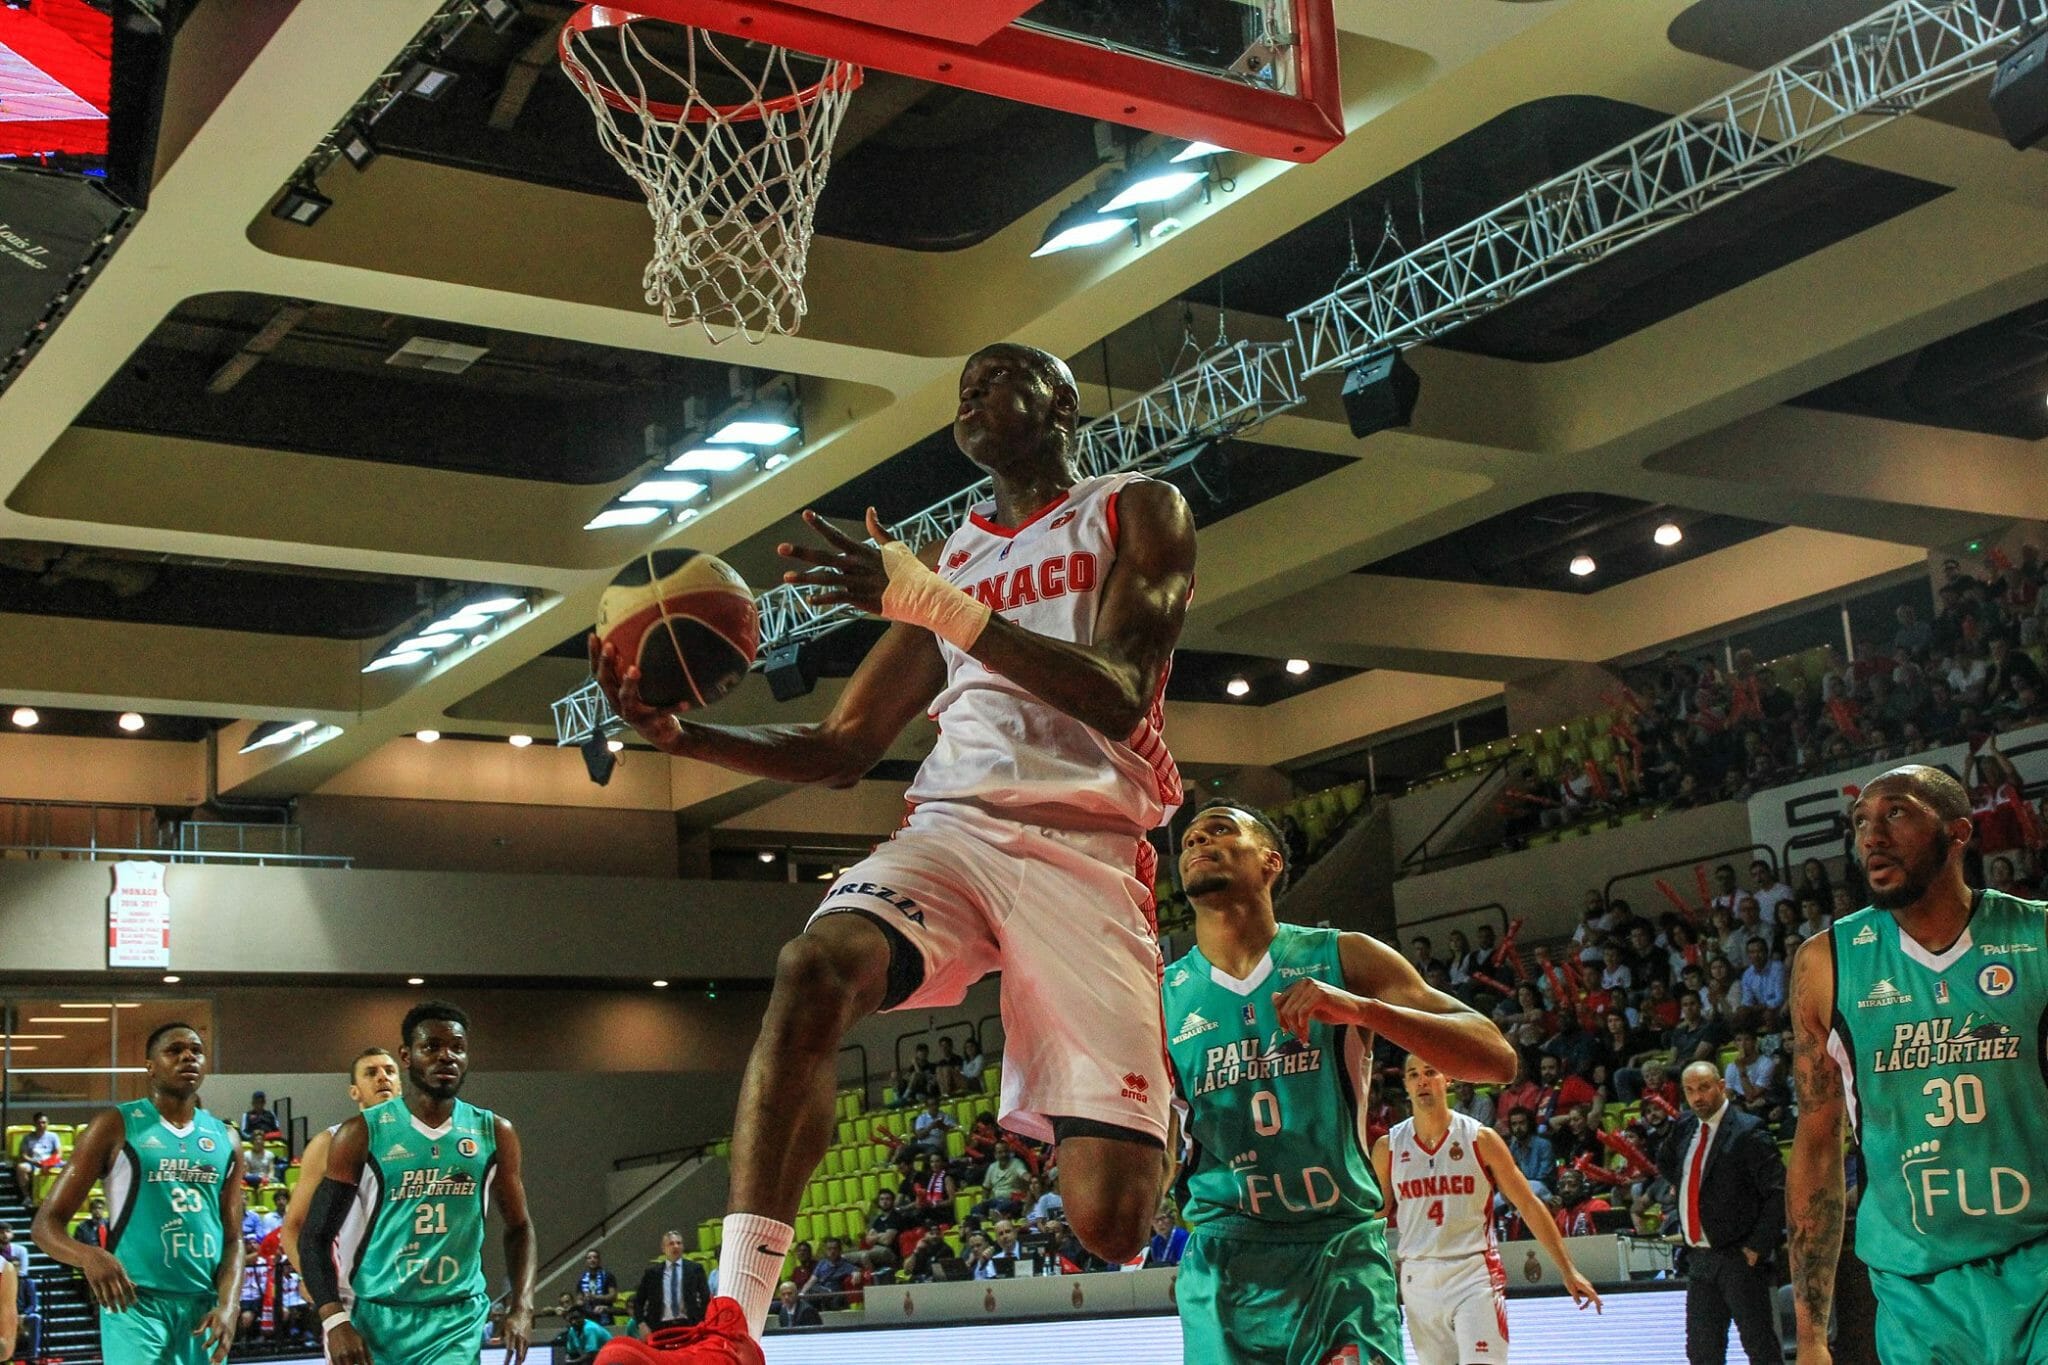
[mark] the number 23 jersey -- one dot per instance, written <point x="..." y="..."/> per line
<point x="416" y="1234"/>
<point x="164" y="1188"/>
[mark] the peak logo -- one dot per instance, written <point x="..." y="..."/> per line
<point x="1866" y="935"/>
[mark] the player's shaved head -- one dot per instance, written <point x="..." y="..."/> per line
<point x="1934" y="788"/>
<point x="1044" y="364"/>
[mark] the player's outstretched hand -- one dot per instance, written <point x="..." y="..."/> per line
<point x="518" y="1330"/>
<point x="1583" y="1294"/>
<point x="846" y="573"/>
<point x="345" y="1346"/>
<point x="217" y="1331"/>
<point x="111" y="1288"/>
<point x="621" y="687"/>
<point x="1310" y="1001"/>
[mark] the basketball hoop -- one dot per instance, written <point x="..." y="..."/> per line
<point x="730" y="140"/>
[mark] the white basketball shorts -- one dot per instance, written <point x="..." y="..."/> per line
<point x="1456" y="1311"/>
<point x="1067" y="918"/>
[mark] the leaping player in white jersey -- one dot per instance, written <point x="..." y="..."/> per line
<point x="1439" y="1171"/>
<point x="1039" y="635"/>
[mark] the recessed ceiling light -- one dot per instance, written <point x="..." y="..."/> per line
<point x="1668" y="534"/>
<point x="26" y="717"/>
<point x="617" y="746"/>
<point x="427" y="736"/>
<point x="624" y="516"/>
<point x="661" y="985"/>
<point x="1297" y="666"/>
<point x="1237" y="687"/>
<point x="766" y="855"/>
<point x="752" y="432"/>
<point x="520" y="741"/>
<point x="710" y="460"/>
<point x="662" y="490"/>
<point x="131" y="721"/>
<point x="1582" y="565"/>
<point x="172" y="980"/>
<point x="440" y="639"/>
<point x="398" y="660"/>
<point x="278" y="732"/>
<point x="1155" y="187"/>
<point x="1090" y="231"/>
<point x="492" y="606"/>
<point x="415" y="981"/>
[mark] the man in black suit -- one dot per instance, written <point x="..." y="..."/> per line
<point x="1730" y="1181"/>
<point x="673" y="1292"/>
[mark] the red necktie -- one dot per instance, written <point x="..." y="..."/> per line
<point x="1692" y="1184"/>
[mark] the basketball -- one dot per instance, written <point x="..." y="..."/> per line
<point x="686" y="620"/>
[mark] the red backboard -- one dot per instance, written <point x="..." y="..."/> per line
<point x="1210" y="72"/>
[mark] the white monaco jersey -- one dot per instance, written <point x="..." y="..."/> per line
<point x="1444" y="1198"/>
<point x="1003" y="748"/>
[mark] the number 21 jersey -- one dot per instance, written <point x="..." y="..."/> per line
<point x="418" y="1224"/>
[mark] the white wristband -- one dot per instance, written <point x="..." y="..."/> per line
<point x="327" y="1325"/>
<point x="918" y="596"/>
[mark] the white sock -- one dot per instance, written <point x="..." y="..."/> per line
<point x="750" y="1263"/>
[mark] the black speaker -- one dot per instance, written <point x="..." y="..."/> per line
<point x="790" y="674"/>
<point x="2019" y="93"/>
<point x="598" y="759"/>
<point x="1380" y="392"/>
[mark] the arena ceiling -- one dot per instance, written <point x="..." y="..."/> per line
<point x="1797" y="371"/>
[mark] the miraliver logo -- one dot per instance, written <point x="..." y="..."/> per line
<point x="1882" y="994"/>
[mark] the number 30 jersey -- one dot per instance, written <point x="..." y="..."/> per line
<point x="1276" y="1126"/>
<point x="416" y="1234"/>
<point x="1946" y="1080"/>
<point x="164" y="1188"/>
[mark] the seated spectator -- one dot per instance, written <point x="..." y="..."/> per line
<point x="1752" y="1077"/>
<point x="261" y="1219"/>
<point x="930" y="1249"/>
<point x="973" y="1064"/>
<point x="1749" y="924"/>
<point x="946" y="1070"/>
<point x="1646" y="961"/>
<point x="979" y="1253"/>
<point x="1764" y="984"/>
<point x="95" y="1229"/>
<point x="920" y="1080"/>
<point x="1524" y="1019"/>
<point x="1723" y="994"/>
<point x="1458" y="960"/>
<point x="596" y="1286"/>
<point x="886" y="1217"/>
<point x="1466" y="1099"/>
<point x="1533" y="1155"/>
<point x="1814" y="880"/>
<point x="1658" y="1010"/>
<point x="982" y="1140"/>
<point x="1575" y="1204"/>
<point x="1524" y="1092"/>
<point x="933" y="1188"/>
<point x="1615" y="973"/>
<point x="1169" y="1238"/>
<point x="1813" y="917"/>
<point x="39" y="1150"/>
<point x="1999" y="876"/>
<point x="21" y="1318"/>
<point x="931" y="1126"/>
<point x="1041" y="1203"/>
<point x="792" y="1310"/>
<point x="1421" y="952"/>
<point x="673" y="1292"/>
<point x="582" y="1339"/>
<point x="1697" y="1037"/>
<point x="1766" y="888"/>
<point x="827" y="1286"/>
<point x="258" y="1122"/>
<point x="1007" y="1180"/>
<point x="1572" y="1048"/>
<point x="804" y="1259"/>
<point x="1572" y="1136"/>
<point x="255" y="1288"/>
<point x="1075" y="1259"/>
<point x="259" y="1163"/>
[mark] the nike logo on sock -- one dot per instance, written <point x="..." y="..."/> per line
<point x="768" y="1251"/>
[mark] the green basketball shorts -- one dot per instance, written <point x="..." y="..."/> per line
<point x="423" y="1334"/>
<point x="1328" y="1302"/>
<point x="156" y="1330"/>
<point x="1988" y="1312"/>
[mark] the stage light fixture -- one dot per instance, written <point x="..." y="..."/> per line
<point x="492" y="606"/>
<point x="1297" y="666"/>
<point x="1082" y="224"/>
<point x="1582" y="565"/>
<point x="427" y="736"/>
<point x="1668" y="534"/>
<point x="615" y="746"/>
<point x="358" y="148"/>
<point x="1238" y="687"/>
<point x="26" y="718"/>
<point x="424" y="80"/>
<point x="398" y="660"/>
<point x="766" y="429"/>
<point x="1195" y="151"/>
<point x="789" y="672"/>
<point x="1156" y="183"/>
<point x="498" y="15"/>
<point x="624" y="516"/>
<point x="2019" y="92"/>
<point x="274" y="732"/>
<point x="1380" y="392"/>
<point x="131" y="721"/>
<point x="766" y="855"/>
<point x="598" y="760"/>
<point x="440" y="639"/>
<point x="520" y="741"/>
<point x="301" y="203"/>
<point x="662" y="490"/>
<point x="709" y="459"/>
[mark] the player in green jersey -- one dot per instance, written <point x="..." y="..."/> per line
<point x="169" y="1281"/>
<point x="401" y="1216"/>
<point x="1921" y="1019"/>
<point x="1270" y="1032"/>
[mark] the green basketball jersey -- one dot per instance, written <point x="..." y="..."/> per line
<point x="1943" y="1059"/>
<point x="1276" y="1126"/>
<point x="164" y="1189"/>
<point x="418" y="1225"/>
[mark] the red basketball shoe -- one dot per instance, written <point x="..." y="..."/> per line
<point x="721" y="1339"/>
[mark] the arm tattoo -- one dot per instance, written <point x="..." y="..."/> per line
<point x="1817" y="1199"/>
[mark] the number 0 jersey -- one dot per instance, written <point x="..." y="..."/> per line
<point x="416" y="1233"/>
<point x="1442" y="1196"/>
<point x="1944" y="1059"/>
<point x="1277" y="1127"/>
<point x="164" y="1188"/>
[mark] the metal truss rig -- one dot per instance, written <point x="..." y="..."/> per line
<point x="1225" y="393"/>
<point x="1878" y="69"/>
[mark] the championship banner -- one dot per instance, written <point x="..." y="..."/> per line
<point x="139" y="917"/>
<point x="1809" y="818"/>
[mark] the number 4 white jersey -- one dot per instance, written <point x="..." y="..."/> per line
<point x="1442" y="1196"/>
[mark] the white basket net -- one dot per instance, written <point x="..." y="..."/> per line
<point x="733" y="187"/>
